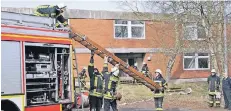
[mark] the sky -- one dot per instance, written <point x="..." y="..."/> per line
<point x="110" y="5"/>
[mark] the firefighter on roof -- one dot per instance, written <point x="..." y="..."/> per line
<point x="52" y="11"/>
<point x="96" y="86"/>
<point x="110" y="89"/>
<point x="214" y="91"/>
<point x="159" y="93"/>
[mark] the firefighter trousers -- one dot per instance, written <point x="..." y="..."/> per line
<point x="95" y="103"/>
<point x="62" y="20"/>
<point x="158" y="103"/>
<point x="213" y="101"/>
<point x="59" y="18"/>
<point x="227" y="98"/>
<point x="108" y="103"/>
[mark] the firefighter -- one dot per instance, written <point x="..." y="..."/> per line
<point x="52" y="11"/>
<point x="96" y="86"/>
<point x="226" y="87"/>
<point x="159" y="93"/>
<point x="145" y="69"/>
<point x="83" y="76"/>
<point x="214" y="85"/>
<point x="110" y="89"/>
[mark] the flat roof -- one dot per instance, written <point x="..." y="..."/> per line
<point x="92" y="14"/>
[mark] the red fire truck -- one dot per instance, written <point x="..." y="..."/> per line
<point x="36" y="64"/>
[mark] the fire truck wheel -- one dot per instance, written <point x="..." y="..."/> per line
<point x="8" y="105"/>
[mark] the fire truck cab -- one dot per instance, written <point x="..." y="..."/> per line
<point x="36" y="64"/>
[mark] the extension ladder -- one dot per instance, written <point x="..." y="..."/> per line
<point x="100" y="51"/>
<point x="75" y="67"/>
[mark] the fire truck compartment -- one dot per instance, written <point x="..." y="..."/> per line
<point x="47" y="69"/>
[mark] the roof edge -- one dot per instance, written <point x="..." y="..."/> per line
<point x="94" y="14"/>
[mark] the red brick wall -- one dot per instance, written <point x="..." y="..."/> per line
<point x="158" y="35"/>
<point x="102" y="32"/>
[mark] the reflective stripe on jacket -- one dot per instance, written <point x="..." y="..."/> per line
<point x="214" y="83"/>
<point x="110" y="83"/>
<point x="161" y="81"/>
<point x="96" y="81"/>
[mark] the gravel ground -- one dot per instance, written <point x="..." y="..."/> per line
<point x="149" y="106"/>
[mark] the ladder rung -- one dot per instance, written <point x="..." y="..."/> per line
<point x="95" y="48"/>
<point x="100" y="52"/>
<point x="83" y="38"/>
<point x="139" y="79"/>
<point x="88" y="44"/>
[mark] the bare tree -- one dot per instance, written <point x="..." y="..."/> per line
<point x="208" y="17"/>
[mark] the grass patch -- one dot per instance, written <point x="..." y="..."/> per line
<point x="199" y="88"/>
<point x="132" y="93"/>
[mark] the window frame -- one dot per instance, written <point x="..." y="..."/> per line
<point x="129" y="27"/>
<point x="191" y="25"/>
<point x="196" y="57"/>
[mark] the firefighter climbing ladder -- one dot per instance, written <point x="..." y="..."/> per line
<point x="82" y="39"/>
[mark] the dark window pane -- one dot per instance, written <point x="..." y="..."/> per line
<point x="189" y="63"/>
<point x="189" y="54"/>
<point x="121" y="31"/>
<point x="201" y="32"/>
<point x="203" y="54"/>
<point x="121" y="22"/>
<point x="203" y="63"/>
<point x="137" y="22"/>
<point x="190" y="32"/>
<point x="138" y="32"/>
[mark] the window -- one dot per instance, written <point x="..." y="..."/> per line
<point x="129" y="29"/>
<point x="192" y="31"/>
<point x="196" y="61"/>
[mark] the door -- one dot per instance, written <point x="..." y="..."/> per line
<point x="11" y="67"/>
<point x="131" y="61"/>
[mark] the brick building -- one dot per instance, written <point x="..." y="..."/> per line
<point x="135" y="39"/>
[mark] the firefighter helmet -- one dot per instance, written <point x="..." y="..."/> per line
<point x="85" y="67"/>
<point x="213" y="70"/>
<point x="158" y="71"/>
<point x="61" y="5"/>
